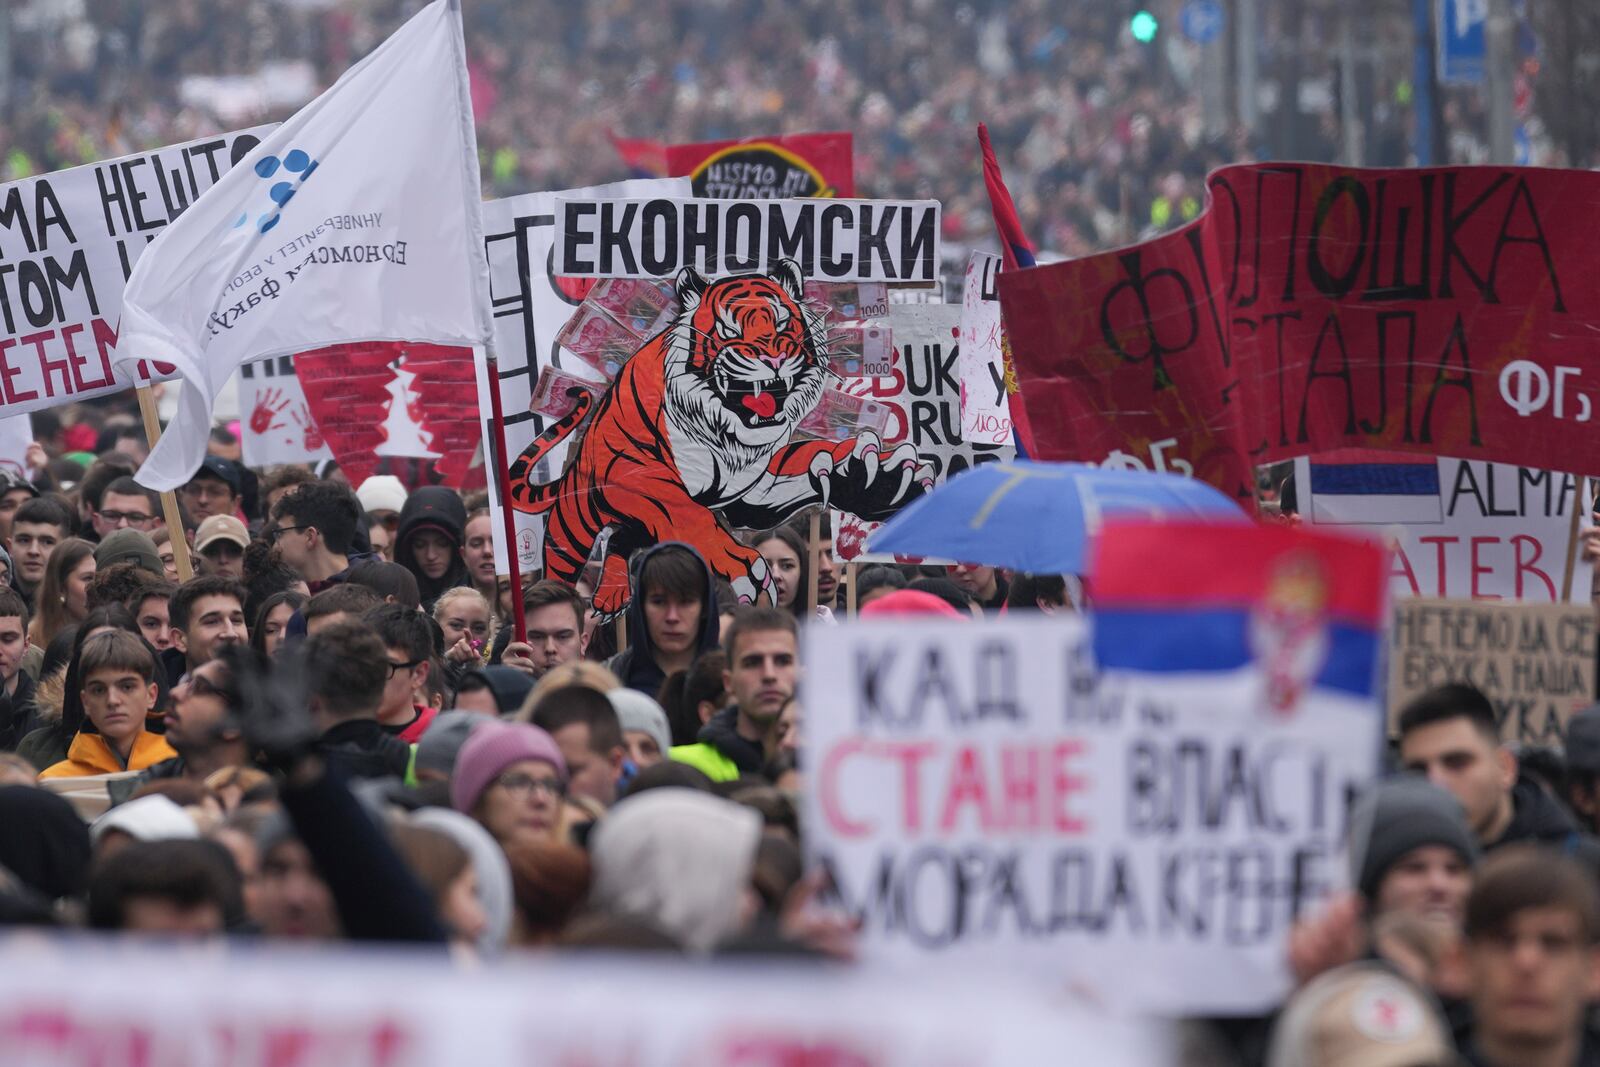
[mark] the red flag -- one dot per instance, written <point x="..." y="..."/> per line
<point x="645" y="158"/>
<point x="1015" y="251"/>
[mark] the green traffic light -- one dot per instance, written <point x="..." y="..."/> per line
<point x="1143" y="26"/>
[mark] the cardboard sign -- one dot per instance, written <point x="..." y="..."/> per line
<point x="1536" y="662"/>
<point x="1447" y="311"/>
<point x="68" y="242"/>
<point x="768" y="168"/>
<point x="1462" y="529"/>
<point x="832" y="241"/>
<point x="923" y="395"/>
<point x="982" y="795"/>
<point x="530" y="308"/>
<point x="985" y="407"/>
<point x="273" y="1006"/>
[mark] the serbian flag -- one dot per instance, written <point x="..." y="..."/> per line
<point x="643" y="158"/>
<point x="1302" y="610"/>
<point x="1015" y="252"/>
<point x="356" y="220"/>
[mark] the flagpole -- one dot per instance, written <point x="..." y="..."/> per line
<point x="169" y="502"/>
<point x="1572" y="537"/>
<point x="508" y="516"/>
<point x="813" y="563"/>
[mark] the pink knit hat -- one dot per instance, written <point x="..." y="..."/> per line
<point x="492" y="748"/>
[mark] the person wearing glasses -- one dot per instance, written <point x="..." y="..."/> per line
<point x="126" y="505"/>
<point x="313" y="529"/>
<point x="407" y="636"/>
<point x="346" y="671"/>
<point x="214" y="489"/>
<point x="510" y="777"/>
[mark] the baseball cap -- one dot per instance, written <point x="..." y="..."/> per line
<point x="221" y="528"/>
<point x="129" y="546"/>
<point x="10" y="480"/>
<point x="223" y="469"/>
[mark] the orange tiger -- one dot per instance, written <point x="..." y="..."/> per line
<point x="699" y="420"/>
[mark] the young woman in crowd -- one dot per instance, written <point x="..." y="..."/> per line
<point x="63" y="595"/>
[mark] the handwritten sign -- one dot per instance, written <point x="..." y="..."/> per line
<point x="68" y="242"/>
<point x="1536" y="662"/>
<point x="1448" y="311"/>
<point x="981" y="792"/>
<point x="1463" y="529"/>
<point x="985" y="408"/>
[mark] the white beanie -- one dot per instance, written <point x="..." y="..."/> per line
<point x="149" y="818"/>
<point x="382" y="492"/>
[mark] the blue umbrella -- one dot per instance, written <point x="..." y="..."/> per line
<point x="1039" y="517"/>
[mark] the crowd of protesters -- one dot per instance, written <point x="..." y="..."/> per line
<point x="331" y="733"/>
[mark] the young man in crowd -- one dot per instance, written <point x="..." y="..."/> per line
<point x="1531" y="961"/>
<point x="1583" y="767"/>
<point x="220" y="543"/>
<point x="1450" y="734"/>
<point x="672" y="617"/>
<point x="205" y="613"/>
<point x="1415" y="849"/>
<point x="407" y="636"/>
<point x="345" y="602"/>
<point x="346" y="672"/>
<point x="214" y="489"/>
<point x="987" y="586"/>
<point x="36" y="529"/>
<point x="129" y="546"/>
<point x="150" y="610"/>
<point x="762" y="648"/>
<point x="314" y="528"/>
<point x="126" y="505"/>
<point x="586" y="729"/>
<point x="202" y="723"/>
<point x="171" y="888"/>
<point x="554" y="614"/>
<point x="117" y="674"/>
<point x="15" y="491"/>
<point x="16" y="687"/>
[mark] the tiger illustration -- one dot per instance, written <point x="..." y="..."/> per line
<point x="699" y="420"/>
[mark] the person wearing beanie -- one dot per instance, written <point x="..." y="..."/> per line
<point x="679" y="859"/>
<point x="441" y="744"/>
<point x="1411" y="850"/>
<point x="382" y="497"/>
<point x="492" y="691"/>
<point x="1583" y="767"/>
<point x="645" y="733"/>
<point x="511" y="778"/>
<point x="130" y="546"/>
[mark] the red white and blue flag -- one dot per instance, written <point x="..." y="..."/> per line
<point x="1016" y="251"/>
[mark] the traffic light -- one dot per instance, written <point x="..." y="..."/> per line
<point x="1143" y="26"/>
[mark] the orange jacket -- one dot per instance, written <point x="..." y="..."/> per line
<point x="89" y="754"/>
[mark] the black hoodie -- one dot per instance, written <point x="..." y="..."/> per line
<point x="1539" y="817"/>
<point x="636" y="665"/>
<point x="433" y="508"/>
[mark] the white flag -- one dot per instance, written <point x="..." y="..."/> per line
<point x="356" y="220"/>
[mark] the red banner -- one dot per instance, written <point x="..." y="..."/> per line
<point x="767" y="168"/>
<point x="1452" y="310"/>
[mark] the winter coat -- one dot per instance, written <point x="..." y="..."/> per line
<point x="636" y="665"/>
<point x="362" y="748"/>
<point x="720" y="752"/>
<point x="1539" y="817"/>
<point x="92" y="754"/>
<point x="47" y="743"/>
<point x="18" y="716"/>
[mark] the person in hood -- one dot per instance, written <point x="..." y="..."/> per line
<point x="1450" y="735"/>
<point x="672" y="617"/>
<point x="117" y="672"/>
<point x="429" y="539"/>
<point x="762" y="649"/>
<point x="314" y="530"/>
<point x="680" y="859"/>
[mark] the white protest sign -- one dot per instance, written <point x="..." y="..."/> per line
<point x="68" y="1006"/>
<point x="985" y="408"/>
<point x="530" y="308"/>
<point x="275" y="420"/>
<point x="923" y="395"/>
<point x="832" y="240"/>
<point x="1463" y="529"/>
<point x="981" y="797"/>
<point x="68" y="242"/>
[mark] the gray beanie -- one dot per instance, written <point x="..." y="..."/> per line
<point x="441" y="743"/>
<point x="1398" y="815"/>
<point x="636" y="711"/>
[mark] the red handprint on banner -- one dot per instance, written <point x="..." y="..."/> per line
<point x="264" y="417"/>
<point x="308" y="425"/>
